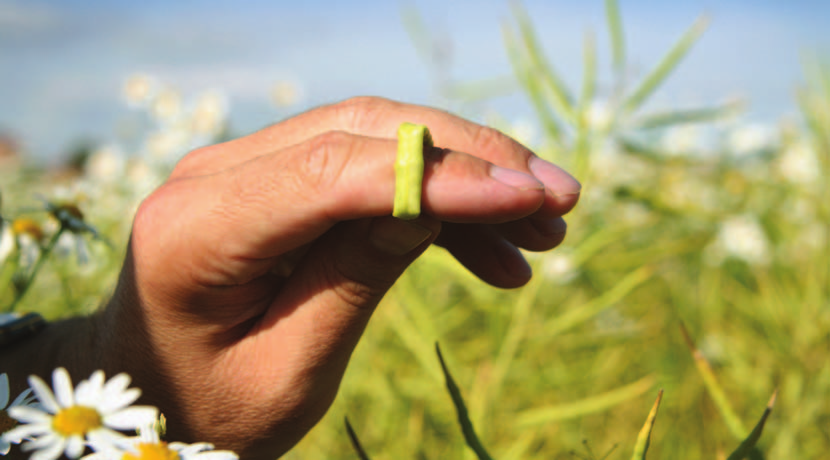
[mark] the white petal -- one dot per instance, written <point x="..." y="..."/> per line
<point x="117" y="384"/>
<point x="191" y="449"/>
<point x="52" y="451"/>
<point x="25" y="431"/>
<point x="105" y="440"/>
<point x="26" y="414"/>
<point x="101" y="456"/>
<point x="7" y="241"/>
<point x="148" y="435"/>
<point x="63" y="387"/>
<point x="4" y="391"/>
<point x="202" y="451"/>
<point x="97" y="379"/>
<point x="117" y="401"/>
<point x="132" y="418"/>
<point x="216" y="455"/>
<point x="90" y="391"/>
<point x="5" y="447"/>
<point x="22" y="398"/>
<point x="75" y="446"/>
<point x="44" y="394"/>
<point x="85" y="394"/>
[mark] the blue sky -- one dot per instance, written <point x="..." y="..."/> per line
<point x="62" y="63"/>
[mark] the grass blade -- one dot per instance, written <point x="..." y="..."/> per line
<point x="561" y="99"/>
<point x="699" y="115"/>
<point x="578" y="316"/>
<point x="582" y="144"/>
<point x="589" y="75"/>
<point x="463" y="417"/>
<point x="748" y="445"/>
<point x="531" y="85"/>
<point x="516" y="333"/>
<point x="590" y="405"/>
<point x="643" y="439"/>
<point x="733" y="422"/>
<point x="615" y="31"/>
<point x="653" y="80"/>
<point x="418" y="32"/>
<point x="355" y="442"/>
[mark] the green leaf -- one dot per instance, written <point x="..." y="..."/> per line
<point x="747" y="447"/>
<point x="643" y="439"/>
<point x="461" y="409"/>
<point x="653" y="80"/>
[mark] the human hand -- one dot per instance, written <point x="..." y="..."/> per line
<point x="254" y="269"/>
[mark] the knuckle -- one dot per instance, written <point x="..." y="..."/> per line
<point x="324" y="160"/>
<point x="362" y="112"/>
<point x="192" y="163"/>
<point x="149" y="214"/>
<point x="358" y="291"/>
<point x="357" y="294"/>
<point x="487" y="138"/>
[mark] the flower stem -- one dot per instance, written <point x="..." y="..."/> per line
<point x="44" y="254"/>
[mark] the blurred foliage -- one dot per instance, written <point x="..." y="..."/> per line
<point x="696" y="263"/>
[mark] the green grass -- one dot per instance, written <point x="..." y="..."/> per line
<point x="700" y="270"/>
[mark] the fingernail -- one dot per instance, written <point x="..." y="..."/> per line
<point x="556" y="179"/>
<point x="397" y="237"/>
<point x="515" y="178"/>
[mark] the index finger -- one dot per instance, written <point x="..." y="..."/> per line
<point x="380" y="118"/>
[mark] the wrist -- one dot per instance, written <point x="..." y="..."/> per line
<point x="132" y="346"/>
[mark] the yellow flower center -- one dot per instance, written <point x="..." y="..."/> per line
<point x="155" y="451"/>
<point x="6" y="422"/>
<point x="76" y="420"/>
<point x="26" y="226"/>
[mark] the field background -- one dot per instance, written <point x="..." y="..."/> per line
<point x="696" y="261"/>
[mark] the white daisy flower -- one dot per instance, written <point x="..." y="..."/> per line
<point x="72" y="419"/>
<point x="7" y="243"/>
<point x="149" y="446"/>
<point x="6" y="422"/>
<point x="139" y="89"/>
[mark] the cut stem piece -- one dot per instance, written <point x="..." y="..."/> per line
<point x="409" y="170"/>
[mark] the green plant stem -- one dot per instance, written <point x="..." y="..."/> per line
<point x="409" y="170"/>
<point x="44" y="254"/>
